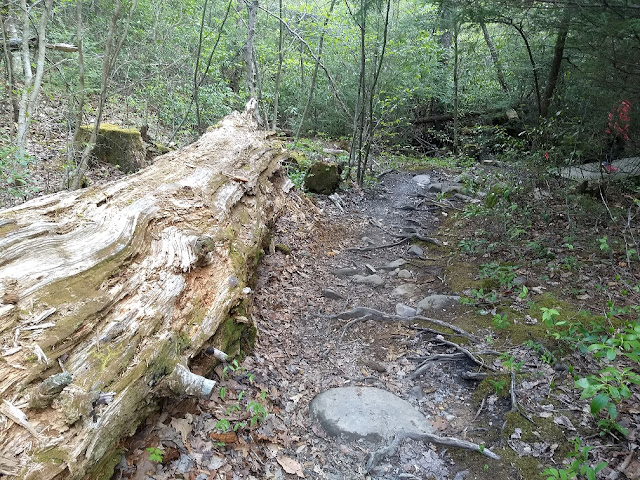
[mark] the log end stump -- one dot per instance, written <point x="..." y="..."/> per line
<point x="121" y="147"/>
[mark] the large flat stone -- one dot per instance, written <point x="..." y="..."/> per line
<point x="438" y="303"/>
<point x="366" y="412"/>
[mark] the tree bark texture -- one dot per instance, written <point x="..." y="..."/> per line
<point x="495" y="59"/>
<point x="556" y="63"/>
<point x="106" y="291"/>
<point x="31" y="87"/>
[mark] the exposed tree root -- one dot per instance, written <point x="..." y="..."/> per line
<point x="471" y="356"/>
<point x="359" y="312"/>
<point x="376" y="247"/>
<point x="379" y="454"/>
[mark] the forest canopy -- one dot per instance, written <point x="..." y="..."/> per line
<point x="379" y="74"/>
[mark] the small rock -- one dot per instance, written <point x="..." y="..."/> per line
<point x="406" y="289"/>
<point x="461" y="475"/>
<point x="435" y="187"/>
<point x="373" y="280"/>
<point x="346" y="272"/>
<point x="417" y="392"/>
<point x="368" y="241"/>
<point x="404" y="274"/>
<point x="415" y="251"/>
<point x="452" y="187"/>
<point x="328" y="293"/>
<point x="393" y="265"/>
<point x="422" y="180"/>
<point x="437" y="303"/>
<point x="185" y="463"/>
<point x="405" y="311"/>
<point x="449" y="418"/>
<point x="462" y="197"/>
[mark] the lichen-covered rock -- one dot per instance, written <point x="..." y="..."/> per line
<point x="122" y="147"/>
<point x="322" y="177"/>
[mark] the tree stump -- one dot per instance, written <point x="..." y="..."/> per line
<point x="109" y="292"/>
<point x="121" y="147"/>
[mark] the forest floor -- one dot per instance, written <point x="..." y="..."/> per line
<point x="511" y="280"/>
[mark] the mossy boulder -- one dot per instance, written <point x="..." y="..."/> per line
<point x="322" y="177"/>
<point x="122" y="147"/>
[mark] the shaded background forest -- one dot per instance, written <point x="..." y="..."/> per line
<point x="380" y="74"/>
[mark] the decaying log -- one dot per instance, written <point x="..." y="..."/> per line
<point x="134" y="279"/>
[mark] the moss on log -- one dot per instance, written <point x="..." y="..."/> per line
<point x="121" y="147"/>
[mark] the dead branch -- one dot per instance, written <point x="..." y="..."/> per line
<point x="471" y="356"/>
<point x="379" y="454"/>
<point x="440" y="356"/>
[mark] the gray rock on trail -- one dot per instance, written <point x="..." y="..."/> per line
<point x="373" y="280"/>
<point x="332" y="294"/>
<point x="405" y="311"/>
<point x="393" y="265"/>
<point x="406" y="274"/>
<point x="346" y="272"/>
<point x="422" y="180"/>
<point x="366" y="412"/>
<point x="437" y="303"/>
<point x="415" y="251"/>
<point x="406" y="289"/>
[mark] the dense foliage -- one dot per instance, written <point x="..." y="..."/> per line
<point x="154" y="74"/>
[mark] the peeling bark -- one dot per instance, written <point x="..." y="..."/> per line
<point x="142" y="273"/>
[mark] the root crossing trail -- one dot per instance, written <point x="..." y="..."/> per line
<point x="357" y="250"/>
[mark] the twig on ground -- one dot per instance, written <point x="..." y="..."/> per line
<point x="471" y="356"/>
<point x="615" y="474"/>
<point x="379" y="454"/>
<point x="484" y="399"/>
<point x="440" y="356"/>
<point x="346" y="327"/>
<point x="515" y="407"/>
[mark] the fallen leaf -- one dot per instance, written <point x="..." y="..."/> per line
<point x="563" y="421"/>
<point x="228" y="437"/>
<point x="183" y="427"/>
<point x="290" y="466"/>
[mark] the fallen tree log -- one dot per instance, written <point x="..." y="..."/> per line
<point x="109" y="293"/>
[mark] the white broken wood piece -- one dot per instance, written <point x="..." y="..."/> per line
<point x="18" y="416"/>
<point x="184" y="382"/>
<point x="43" y="316"/>
<point x="138" y="272"/>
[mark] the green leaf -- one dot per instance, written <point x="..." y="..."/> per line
<point x="583" y="383"/>
<point x="599" y="402"/>
<point x="611" y="354"/>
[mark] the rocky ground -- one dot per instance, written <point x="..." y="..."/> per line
<point x="384" y="249"/>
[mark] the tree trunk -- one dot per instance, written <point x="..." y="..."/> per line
<point x="108" y="293"/>
<point x="8" y="60"/>
<point x="249" y="54"/>
<point x="276" y="94"/>
<point x="558" y="53"/>
<point x="31" y="87"/>
<point x="314" y="77"/>
<point x="456" y="83"/>
<point x="111" y="51"/>
<point x="494" y="56"/>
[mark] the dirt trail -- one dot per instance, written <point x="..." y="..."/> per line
<point x="298" y="353"/>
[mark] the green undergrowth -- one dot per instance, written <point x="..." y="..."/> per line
<point x="548" y="277"/>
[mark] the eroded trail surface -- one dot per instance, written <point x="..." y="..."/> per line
<point x="328" y="259"/>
